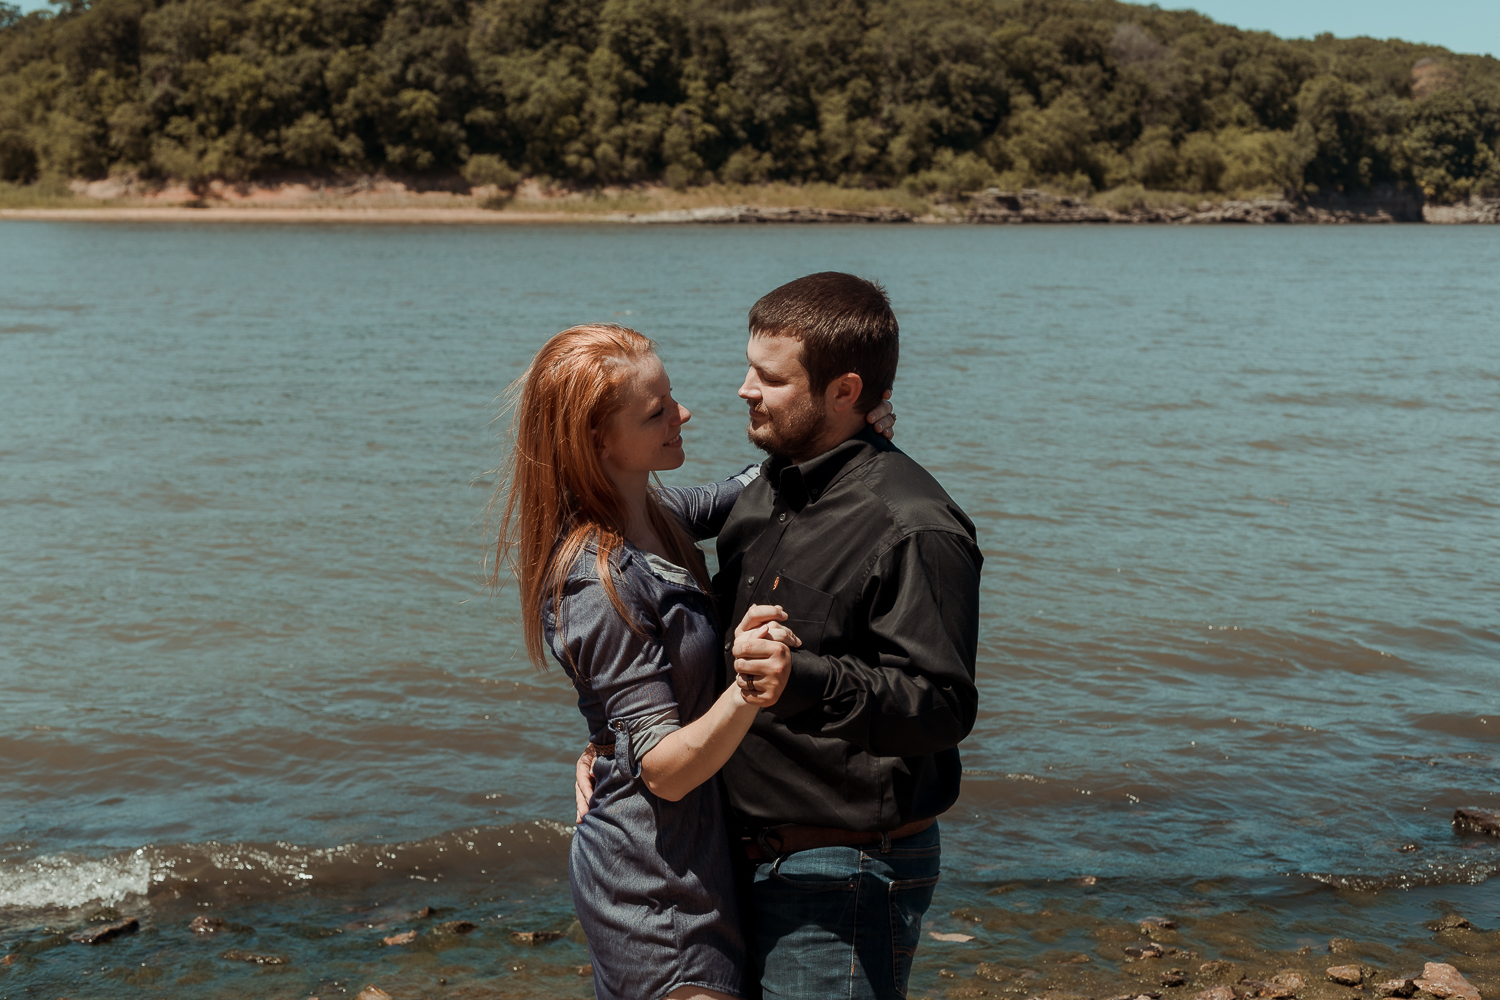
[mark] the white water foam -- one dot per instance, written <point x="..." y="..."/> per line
<point x="60" y="881"/>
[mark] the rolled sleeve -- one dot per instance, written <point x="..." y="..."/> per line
<point x="629" y="670"/>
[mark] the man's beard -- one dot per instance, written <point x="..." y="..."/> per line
<point x="791" y="435"/>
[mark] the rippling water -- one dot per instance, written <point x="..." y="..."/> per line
<point x="1238" y="491"/>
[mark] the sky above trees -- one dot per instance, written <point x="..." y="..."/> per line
<point x="1461" y="25"/>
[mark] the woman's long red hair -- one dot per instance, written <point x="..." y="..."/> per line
<point x="554" y="498"/>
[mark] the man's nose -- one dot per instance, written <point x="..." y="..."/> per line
<point x="748" y="388"/>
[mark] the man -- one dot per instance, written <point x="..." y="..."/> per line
<point x="837" y="787"/>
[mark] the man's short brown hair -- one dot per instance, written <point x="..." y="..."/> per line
<point x="845" y="325"/>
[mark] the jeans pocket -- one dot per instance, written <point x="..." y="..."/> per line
<point x="909" y="900"/>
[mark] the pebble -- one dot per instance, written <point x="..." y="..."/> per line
<point x="405" y="937"/>
<point x="373" y="993"/>
<point x="207" y="925"/>
<point x="239" y="955"/>
<point x="1346" y="975"/>
<point x="1217" y="993"/>
<point x="959" y="938"/>
<point x="1396" y="988"/>
<point x="535" y="937"/>
<point x="1272" y="990"/>
<point x="585" y="970"/>
<point x="1445" y="981"/>
<point x="1144" y="951"/>
<point x="100" y="933"/>
<point x="1174" y="977"/>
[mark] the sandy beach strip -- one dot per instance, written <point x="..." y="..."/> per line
<point x="407" y="216"/>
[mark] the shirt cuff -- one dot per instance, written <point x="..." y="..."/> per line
<point x="804" y="687"/>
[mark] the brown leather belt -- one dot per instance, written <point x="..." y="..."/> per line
<point x="778" y="841"/>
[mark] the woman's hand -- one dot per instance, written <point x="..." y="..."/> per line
<point x="763" y="655"/>
<point x="883" y="416"/>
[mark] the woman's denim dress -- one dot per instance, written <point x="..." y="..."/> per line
<point x="651" y="879"/>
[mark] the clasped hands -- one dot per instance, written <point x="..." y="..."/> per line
<point x="763" y="654"/>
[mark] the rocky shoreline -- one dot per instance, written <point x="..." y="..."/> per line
<point x="996" y="207"/>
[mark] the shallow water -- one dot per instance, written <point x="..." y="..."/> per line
<point x="1238" y="492"/>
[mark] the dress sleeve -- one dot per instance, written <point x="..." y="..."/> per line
<point x="628" y="669"/>
<point x="703" y="509"/>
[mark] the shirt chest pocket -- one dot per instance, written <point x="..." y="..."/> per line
<point x="807" y="609"/>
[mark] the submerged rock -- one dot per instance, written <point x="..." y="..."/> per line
<point x="1445" y="981"/>
<point x="405" y="937"/>
<point x="207" y="925"/>
<point x="1476" y="821"/>
<point x="1144" y="951"/>
<point x="1346" y="975"/>
<point x="1158" y="923"/>
<point x="456" y="927"/>
<point x="535" y="937"/>
<point x="1450" y="922"/>
<point x="255" y="958"/>
<point x="100" y="933"/>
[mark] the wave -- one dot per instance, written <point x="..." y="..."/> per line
<point x="214" y="872"/>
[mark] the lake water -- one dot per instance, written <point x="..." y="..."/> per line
<point x="1238" y="492"/>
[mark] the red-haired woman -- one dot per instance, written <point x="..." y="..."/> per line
<point x="613" y="585"/>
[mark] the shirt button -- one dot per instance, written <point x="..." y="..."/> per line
<point x="751" y="580"/>
<point x="781" y="518"/>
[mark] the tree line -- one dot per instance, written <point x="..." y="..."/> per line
<point x="933" y="95"/>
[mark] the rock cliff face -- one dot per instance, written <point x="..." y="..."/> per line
<point x="755" y="213"/>
<point x="1473" y="211"/>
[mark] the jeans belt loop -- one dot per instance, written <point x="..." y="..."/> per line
<point x="885" y="842"/>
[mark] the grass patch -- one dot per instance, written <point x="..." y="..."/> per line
<point x="608" y="201"/>
<point x="46" y="193"/>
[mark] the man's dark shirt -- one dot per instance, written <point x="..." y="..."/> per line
<point x="878" y="571"/>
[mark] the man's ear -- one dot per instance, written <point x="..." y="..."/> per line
<point x="843" y="392"/>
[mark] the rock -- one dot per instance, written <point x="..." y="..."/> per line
<point x="206" y="925"/>
<point x="535" y="937"/>
<point x="957" y="938"/>
<point x="1476" y="210"/>
<point x="240" y="955"/>
<point x="1345" y="975"/>
<point x="1158" y="923"/>
<point x="1272" y="990"/>
<point x="1138" y="996"/>
<point x="1215" y="968"/>
<point x="424" y="913"/>
<point x="1144" y="951"/>
<point x="1342" y="946"/>
<point x="1409" y="848"/>
<point x="994" y="206"/>
<point x="1445" y="981"/>
<point x="373" y="993"/>
<point x="1174" y="977"/>
<point x="459" y="927"/>
<point x="8" y="960"/>
<point x="1450" y="922"/>
<point x="1396" y="988"/>
<point x="1217" y="993"/>
<point x="586" y="970"/>
<point x="994" y="973"/>
<point x="1290" y="980"/>
<point x="756" y="213"/>
<point x="405" y="937"/>
<point x="100" y="933"/>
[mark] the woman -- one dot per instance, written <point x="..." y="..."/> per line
<point x="614" y="586"/>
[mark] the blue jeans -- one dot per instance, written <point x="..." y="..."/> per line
<point x="842" y="923"/>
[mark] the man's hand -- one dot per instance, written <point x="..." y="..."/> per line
<point x="583" y="781"/>
<point x="883" y="416"/>
<point x="763" y="655"/>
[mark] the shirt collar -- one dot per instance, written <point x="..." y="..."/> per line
<point x="805" y="482"/>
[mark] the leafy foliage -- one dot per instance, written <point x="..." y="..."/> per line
<point x="935" y="95"/>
